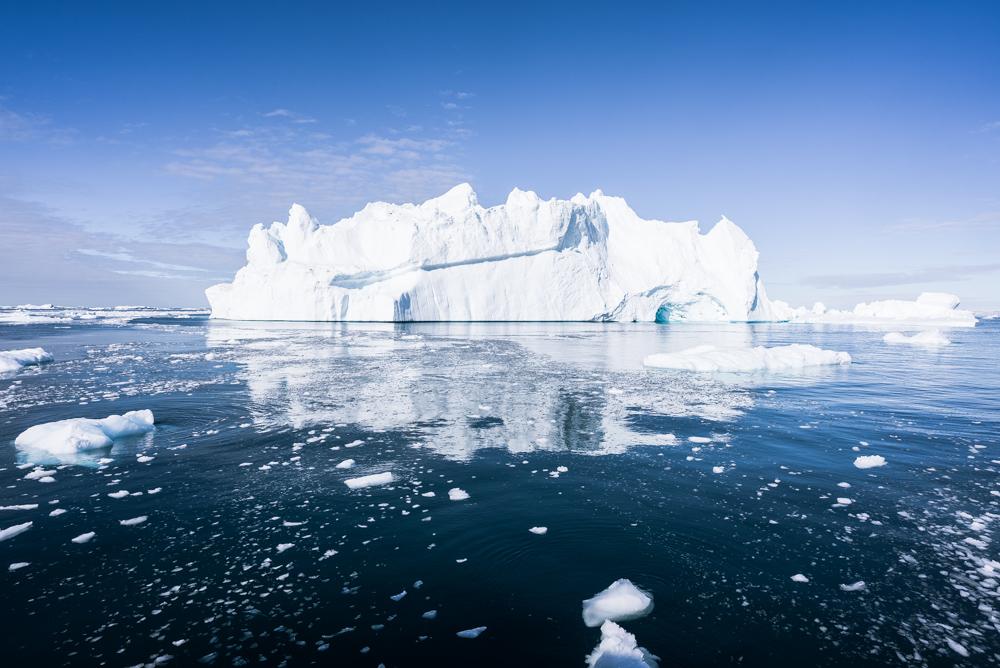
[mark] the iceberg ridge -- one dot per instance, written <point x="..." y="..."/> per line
<point x="589" y="258"/>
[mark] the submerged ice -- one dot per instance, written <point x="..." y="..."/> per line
<point x="586" y="258"/>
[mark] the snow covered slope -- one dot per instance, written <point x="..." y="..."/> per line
<point x="588" y="258"/>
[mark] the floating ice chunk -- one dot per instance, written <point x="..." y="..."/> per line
<point x="21" y="506"/>
<point x="618" y="649"/>
<point x="708" y="359"/>
<point x="457" y="494"/>
<point x="932" y="338"/>
<point x="133" y="521"/>
<point x="120" y="494"/>
<point x="399" y="596"/>
<point x="621" y="601"/>
<point x="75" y="434"/>
<point x="699" y="439"/>
<point x="539" y="531"/>
<point x="957" y="647"/>
<point x="57" y="512"/>
<point x="844" y="501"/>
<point x="430" y="614"/>
<point x="855" y="586"/>
<point x="284" y="546"/>
<point x="10" y="532"/>
<point x="18" y="565"/>
<point x="346" y="464"/>
<point x="370" y="480"/>
<point x="84" y="538"/>
<point x="869" y="461"/>
<point x="38" y="474"/>
<point x="471" y="633"/>
<point x="718" y="469"/>
<point x="144" y="459"/>
<point x="13" y="360"/>
<point x="798" y="577"/>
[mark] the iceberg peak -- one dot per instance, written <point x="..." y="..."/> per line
<point x="587" y="258"/>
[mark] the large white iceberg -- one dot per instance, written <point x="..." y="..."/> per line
<point x="12" y="360"/>
<point x="587" y="258"/>
<point x="77" y="434"/>
<point x="930" y="308"/>
<point x="708" y="359"/>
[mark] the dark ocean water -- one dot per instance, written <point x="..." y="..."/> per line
<point x="252" y="420"/>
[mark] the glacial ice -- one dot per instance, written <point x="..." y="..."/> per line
<point x="370" y="480"/>
<point x="619" y="649"/>
<point x="930" y="308"/>
<point x="76" y="434"/>
<point x="13" y="360"/>
<point x="620" y="601"/>
<point x="708" y="358"/>
<point x="584" y="259"/>
<point x="931" y="338"/>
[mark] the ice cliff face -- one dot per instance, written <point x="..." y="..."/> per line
<point x="587" y="258"/>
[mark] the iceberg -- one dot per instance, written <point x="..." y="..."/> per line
<point x="589" y="258"/>
<point x="13" y="360"/>
<point x="619" y="649"/>
<point x="77" y="434"/>
<point x="930" y="308"/>
<point x="931" y="338"/>
<point x="708" y="359"/>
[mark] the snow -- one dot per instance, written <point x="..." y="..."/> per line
<point x="869" y="461"/>
<point x="75" y="434"/>
<point x="539" y="531"/>
<point x="370" y="480"/>
<point x="931" y="338"/>
<point x="620" y="601"/>
<point x="930" y="308"/>
<point x="10" y="532"/>
<point x="471" y="633"/>
<point x="13" y="360"/>
<point x="708" y="358"/>
<point x="587" y="258"/>
<point x="457" y="494"/>
<point x="618" y="649"/>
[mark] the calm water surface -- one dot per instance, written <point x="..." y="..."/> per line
<point x="252" y="420"/>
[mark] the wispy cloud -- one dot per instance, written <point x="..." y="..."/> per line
<point x="292" y="116"/>
<point x="936" y="274"/>
<point x="984" y="220"/>
<point x="23" y="126"/>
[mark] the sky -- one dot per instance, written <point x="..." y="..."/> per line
<point x="857" y="143"/>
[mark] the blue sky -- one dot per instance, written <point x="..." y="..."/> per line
<point x="858" y="144"/>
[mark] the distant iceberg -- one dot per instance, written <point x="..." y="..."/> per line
<point x="707" y="359"/>
<point x="930" y="308"/>
<point x="590" y="258"/>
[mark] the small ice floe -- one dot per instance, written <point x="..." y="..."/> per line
<point x="38" y="474"/>
<point x="931" y="338"/>
<point x="18" y="565"/>
<point x="370" y="480"/>
<point x="619" y="649"/>
<point x="718" y="469"/>
<point x="562" y="469"/>
<point x="10" y="532"/>
<point x="869" y="461"/>
<point x="798" y="577"/>
<point x="133" y="521"/>
<point x="471" y="633"/>
<point x="284" y="546"/>
<point x="399" y="596"/>
<point x="699" y="439"/>
<point x="457" y="494"/>
<point x="957" y="647"/>
<point x="844" y="501"/>
<point x="346" y="464"/>
<point x="430" y="614"/>
<point x="620" y="601"/>
<point x="76" y="434"/>
<point x="13" y="360"/>
<point x="120" y="494"/>
<point x="539" y="531"/>
<point x="854" y="586"/>
<point x="144" y="459"/>
<point x="429" y="495"/>
<point x="708" y="359"/>
<point x="155" y="490"/>
<point x="20" y="506"/>
<point x="57" y="512"/>
<point x="83" y="538"/>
